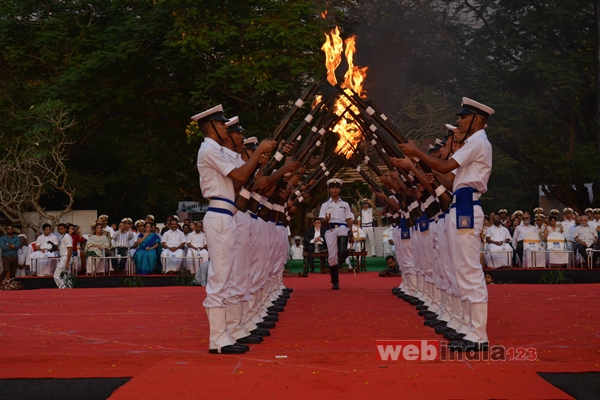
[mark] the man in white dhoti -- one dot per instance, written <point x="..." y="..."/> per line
<point x="498" y="239"/>
<point x="197" y="248"/>
<point x="173" y="242"/>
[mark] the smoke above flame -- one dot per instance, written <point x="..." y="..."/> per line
<point x="347" y="128"/>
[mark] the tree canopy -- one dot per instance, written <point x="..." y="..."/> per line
<point x="132" y="73"/>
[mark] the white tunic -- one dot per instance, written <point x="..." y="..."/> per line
<point x="173" y="238"/>
<point x="339" y="210"/>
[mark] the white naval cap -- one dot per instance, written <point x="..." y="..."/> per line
<point x="334" y="181"/>
<point x="233" y="125"/>
<point x="212" y="114"/>
<point x="251" y="143"/>
<point x="470" y="106"/>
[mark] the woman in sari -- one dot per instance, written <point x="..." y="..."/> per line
<point x="146" y="255"/>
<point x="96" y="246"/>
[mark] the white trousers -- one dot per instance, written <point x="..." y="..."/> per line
<point x="221" y="235"/>
<point x="370" y="239"/>
<point x="332" y="247"/>
<point x="60" y="268"/>
<point x="194" y="258"/>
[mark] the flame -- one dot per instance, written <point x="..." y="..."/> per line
<point x="324" y="14"/>
<point x="347" y="128"/>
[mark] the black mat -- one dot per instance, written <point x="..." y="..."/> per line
<point x="60" y="389"/>
<point x="582" y="385"/>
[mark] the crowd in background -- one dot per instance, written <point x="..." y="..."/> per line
<point x="182" y="244"/>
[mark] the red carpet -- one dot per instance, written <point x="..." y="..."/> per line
<point x="158" y="336"/>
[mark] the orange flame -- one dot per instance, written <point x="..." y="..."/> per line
<point x="347" y="128"/>
<point x="324" y="14"/>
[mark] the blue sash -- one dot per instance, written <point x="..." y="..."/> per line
<point x="404" y="231"/>
<point x="465" y="217"/>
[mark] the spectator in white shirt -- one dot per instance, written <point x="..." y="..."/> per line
<point x="173" y="242"/>
<point x="498" y="239"/>
<point x="46" y="246"/>
<point x="120" y="245"/>
<point x="297" y="250"/>
<point x="197" y="249"/>
<point x="519" y="235"/>
<point x="388" y="242"/>
<point x="23" y="256"/>
<point x="585" y="238"/>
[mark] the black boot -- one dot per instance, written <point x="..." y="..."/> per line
<point x="335" y="277"/>
<point x="342" y="242"/>
<point x="305" y="272"/>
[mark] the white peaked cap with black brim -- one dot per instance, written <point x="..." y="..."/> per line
<point x="212" y="114"/>
<point x="233" y="125"/>
<point x="470" y="106"/>
<point x="334" y="181"/>
<point x="251" y="143"/>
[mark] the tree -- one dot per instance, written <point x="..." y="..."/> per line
<point x="132" y="74"/>
<point x="33" y="164"/>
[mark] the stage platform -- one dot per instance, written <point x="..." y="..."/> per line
<point x="323" y="347"/>
<point x="374" y="265"/>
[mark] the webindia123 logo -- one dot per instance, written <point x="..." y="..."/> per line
<point x="435" y="350"/>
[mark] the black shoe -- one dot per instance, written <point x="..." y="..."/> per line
<point x="336" y="286"/>
<point x="396" y="291"/>
<point x="431" y="317"/>
<point x="271" y="318"/>
<point x="281" y="303"/>
<point x="434" y="322"/>
<point x="425" y="312"/>
<point x="275" y="308"/>
<point x="422" y="307"/>
<point x="273" y="313"/>
<point x="289" y="290"/>
<point x="443" y="329"/>
<point x="267" y="325"/>
<point x="416" y="302"/>
<point x="252" y="339"/>
<point x="284" y="295"/>
<point x="230" y="349"/>
<point x="408" y="299"/>
<point x="312" y="270"/>
<point x="260" y="332"/>
<point x="454" y="336"/>
<point x="467" y="345"/>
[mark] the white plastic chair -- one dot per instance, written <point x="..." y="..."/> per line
<point x="557" y="249"/>
<point x="531" y="242"/>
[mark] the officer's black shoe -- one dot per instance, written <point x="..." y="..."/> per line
<point x="252" y="339"/>
<point x="260" y="332"/>
<point x="284" y="295"/>
<point x="271" y="318"/>
<point x="408" y="299"/>
<point x="467" y="345"/>
<point x="431" y="317"/>
<point x="267" y="325"/>
<point x="289" y="290"/>
<point x="454" y="335"/>
<point x="397" y="291"/>
<point x="335" y="286"/>
<point x="425" y="312"/>
<point x="274" y="313"/>
<point x="443" y="329"/>
<point x="434" y="322"/>
<point x="230" y="349"/>
<point x="275" y="308"/>
<point x="422" y="307"/>
<point x="416" y="302"/>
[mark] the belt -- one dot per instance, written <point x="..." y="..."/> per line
<point x="254" y="216"/>
<point x="476" y="197"/>
<point x="475" y="203"/>
<point x="220" y="210"/>
<point x="279" y="224"/>
<point x="336" y="225"/>
<point x="367" y="225"/>
<point x="222" y="206"/>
